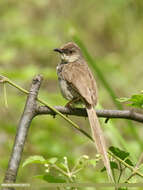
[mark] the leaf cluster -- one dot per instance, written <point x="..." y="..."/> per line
<point x="136" y="100"/>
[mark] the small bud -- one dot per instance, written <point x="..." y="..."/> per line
<point x="65" y="159"/>
<point x="46" y="165"/>
<point x="47" y="170"/>
<point x="97" y="156"/>
<point x="85" y="157"/>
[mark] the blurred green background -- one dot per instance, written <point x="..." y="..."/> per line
<point x="110" y="34"/>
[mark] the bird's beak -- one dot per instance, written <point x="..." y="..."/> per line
<point x="58" y="50"/>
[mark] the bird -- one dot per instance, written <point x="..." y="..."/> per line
<point x="77" y="84"/>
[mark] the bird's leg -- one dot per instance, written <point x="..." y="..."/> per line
<point x="69" y="104"/>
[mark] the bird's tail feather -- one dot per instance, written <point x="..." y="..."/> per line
<point x="99" y="138"/>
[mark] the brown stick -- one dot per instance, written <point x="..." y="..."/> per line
<point x="22" y="131"/>
<point x="122" y="114"/>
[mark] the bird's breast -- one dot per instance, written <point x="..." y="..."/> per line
<point x="66" y="89"/>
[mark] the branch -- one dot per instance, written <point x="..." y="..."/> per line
<point x="122" y="114"/>
<point x="31" y="110"/>
<point x="22" y="131"/>
<point x="4" y="79"/>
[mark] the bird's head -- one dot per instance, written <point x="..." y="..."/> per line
<point x="70" y="52"/>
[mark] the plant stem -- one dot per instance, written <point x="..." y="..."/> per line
<point x="121" y="171"/>
<point x="76" y="171"/>
<point x="60" y="170"/>
<point x="5" y="95"/>
<point x="135" y="169"/>
<point x="125" y="164"/>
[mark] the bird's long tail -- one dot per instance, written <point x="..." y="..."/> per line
<point x="99" y="139"/>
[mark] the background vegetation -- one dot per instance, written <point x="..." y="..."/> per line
<point x="29" y="30"/>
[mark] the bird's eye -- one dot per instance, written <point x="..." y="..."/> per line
<point x="70" y="51"/>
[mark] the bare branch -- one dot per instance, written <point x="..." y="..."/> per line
<point x="4" y="79"/>
<point x="122" y="114"/>
<point x="22" y="131"/>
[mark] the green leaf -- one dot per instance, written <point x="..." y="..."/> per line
<point x="119" y="153"/>
<point x="51" y="179"/>
<point x="34" y="159"/>
<point x="129" y="162"/>
<point x="52" y="160"/>
<point x="136" y="100"/>
<point x="113" y="165"/>
<point x="103" y="169"/>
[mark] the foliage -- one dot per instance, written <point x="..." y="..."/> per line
<point x="60" y="171"/>
<point x="119" y="165"/>
<point x="135" y="100"/>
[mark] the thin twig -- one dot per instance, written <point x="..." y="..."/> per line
<point x="135" y="168"/>
<point x="121" y="171"/>
<point x="5" y="95"/>
<point x="125" y="164"/>
<point x="22" y="131"/>
<point x="60" y="170"/>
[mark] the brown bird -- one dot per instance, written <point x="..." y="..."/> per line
<point x="77" y="83"/>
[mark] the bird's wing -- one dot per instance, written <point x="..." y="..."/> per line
<point x="81" y="78"/>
